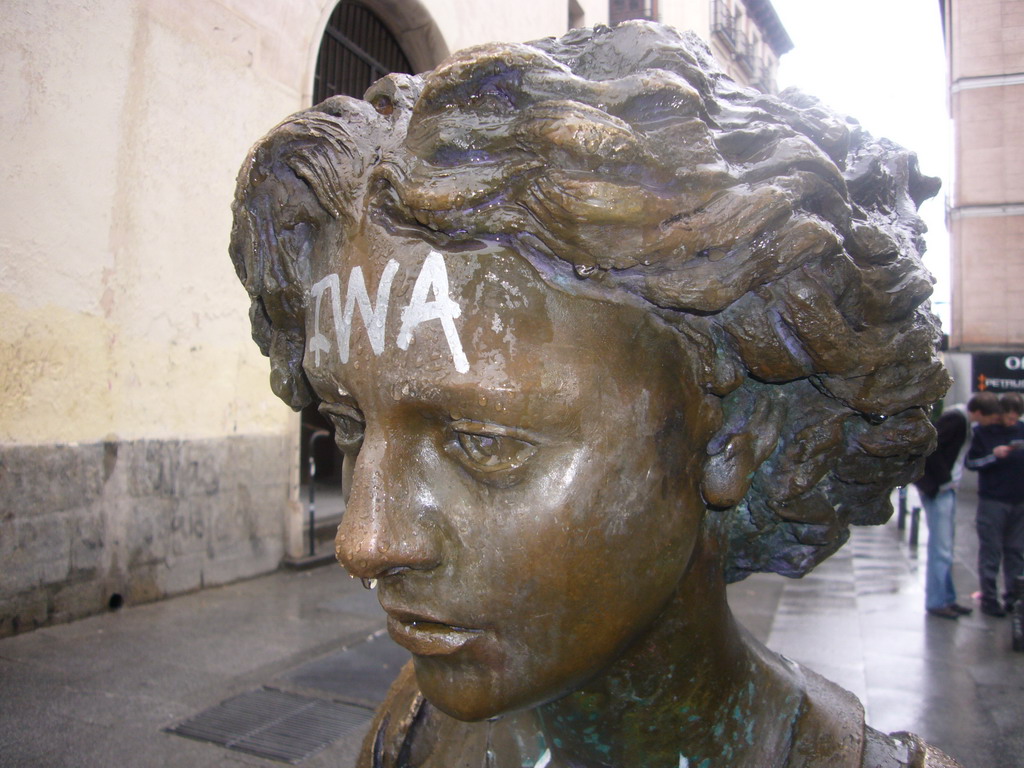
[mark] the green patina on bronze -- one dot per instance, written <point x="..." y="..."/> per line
<point x="600" y="332"/>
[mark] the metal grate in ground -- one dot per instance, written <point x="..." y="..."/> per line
<point x="361" y="674"/>
<point x="274" y="724"/>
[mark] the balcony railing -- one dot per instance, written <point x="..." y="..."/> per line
<point x="724" y="23"/>
<point x="741" y="46"/>
<point x="746" y="55"/>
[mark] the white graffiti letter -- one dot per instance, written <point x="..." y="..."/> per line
<point x="373" y="318"/>
<point x="318" y="342"/>
<point x="433" y="276"/>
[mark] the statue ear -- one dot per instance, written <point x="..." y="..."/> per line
<point x="738" y="450"/>
<point x="728" y="474"/>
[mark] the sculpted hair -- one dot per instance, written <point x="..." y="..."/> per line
<point x="780" y="241"/>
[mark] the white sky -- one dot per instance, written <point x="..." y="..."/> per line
<point x="881" y="62"/>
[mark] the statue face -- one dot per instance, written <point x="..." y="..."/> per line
<point x="527" y="464"/>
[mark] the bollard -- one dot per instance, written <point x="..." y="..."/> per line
<point x="312" y="488"/>
<point x="1017" y="614"/>
<point x="915" y="524"/>
<point x="901" y="518"/>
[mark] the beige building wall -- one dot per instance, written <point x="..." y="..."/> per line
<point x="694" y="15"/>
<point x="141" y="451"/>
<point x="733" y="31"/>
<point x="985" y="45"/>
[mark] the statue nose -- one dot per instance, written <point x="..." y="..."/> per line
<point x="388" y="524"/>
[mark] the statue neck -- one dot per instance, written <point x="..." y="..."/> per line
<point x="696" y="687"/>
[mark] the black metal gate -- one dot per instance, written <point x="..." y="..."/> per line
<point x="357" y="49"/>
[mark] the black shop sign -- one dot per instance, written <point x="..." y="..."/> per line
<point x="998" y="371"/>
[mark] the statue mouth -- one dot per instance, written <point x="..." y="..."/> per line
<point x="424" y="636"/>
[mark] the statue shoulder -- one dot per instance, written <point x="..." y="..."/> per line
<point x="831" y="732"/>
<point x="902" y="750"/>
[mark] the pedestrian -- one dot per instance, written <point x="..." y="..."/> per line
<point x="937" y="488"/>
<point x="996" y="455"/>
<point x="1013" y="405"/>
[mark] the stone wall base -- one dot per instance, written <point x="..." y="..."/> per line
<point x="84" y="528"/>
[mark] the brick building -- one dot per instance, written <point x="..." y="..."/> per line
<point x="985" y="53"/>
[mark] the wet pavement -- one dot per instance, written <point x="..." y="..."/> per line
<point x="103" y="691"/>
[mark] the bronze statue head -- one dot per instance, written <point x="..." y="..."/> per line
<point x="601" y="332"/>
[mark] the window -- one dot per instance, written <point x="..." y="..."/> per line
<point x="622" y="10"/>
<point x="575" y="15"/>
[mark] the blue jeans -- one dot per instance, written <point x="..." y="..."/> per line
<point x="940" y="513"/>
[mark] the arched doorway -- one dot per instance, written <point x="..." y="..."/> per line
<point x="356" y="50"/>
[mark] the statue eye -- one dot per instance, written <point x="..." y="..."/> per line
<point x="349" y="425"/>
<point x="490" y="448"/>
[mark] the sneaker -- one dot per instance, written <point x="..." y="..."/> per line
<point x="946" y="612"/>
<point x="963" y="610"/>
<point x="993" y="609"/>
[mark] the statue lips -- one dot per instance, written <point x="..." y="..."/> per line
<point x="423" y="636"/>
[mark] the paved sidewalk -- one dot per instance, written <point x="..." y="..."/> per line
<point x="859" y="620"/>
<point x="102" y="691"/>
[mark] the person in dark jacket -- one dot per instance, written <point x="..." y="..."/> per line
<point x="997" y="455"/>
<point x="937" y="488"/>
